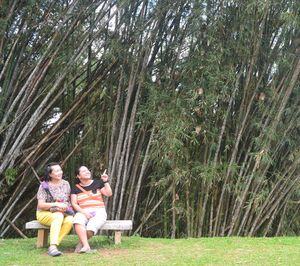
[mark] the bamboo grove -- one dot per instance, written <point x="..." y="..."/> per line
<point x="192" y="106"/>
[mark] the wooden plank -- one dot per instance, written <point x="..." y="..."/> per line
<point x="42" y="238"/>
<point x="118" y="237"/>
<point x="35" y="225"/>
<point x="109" y="225"/>
<point x="117" y="225"/>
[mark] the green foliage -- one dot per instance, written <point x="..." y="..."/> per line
<point x="10" y="175"/>
<point x="212" y="78"/>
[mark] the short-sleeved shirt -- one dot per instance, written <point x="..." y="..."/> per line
<point x="59" y="192"/>
<point x="93" y="198"/>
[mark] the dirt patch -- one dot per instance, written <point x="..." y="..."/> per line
<point x="110" y="252"/>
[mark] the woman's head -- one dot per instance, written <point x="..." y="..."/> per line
<point x="53" y="171"/>
<point x="83" y="173"/>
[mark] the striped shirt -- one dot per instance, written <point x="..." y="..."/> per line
<point x="92" y="198"/>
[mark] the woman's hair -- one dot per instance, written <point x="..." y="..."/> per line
<point x="48" y="171"/>
<point x="77" y="171"/>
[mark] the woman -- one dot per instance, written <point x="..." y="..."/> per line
<point x="87" y="200"/>
<point x="53" y="202"/>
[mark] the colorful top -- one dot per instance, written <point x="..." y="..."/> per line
<point x="59" y="192"/>
<point x="92" y="197"/>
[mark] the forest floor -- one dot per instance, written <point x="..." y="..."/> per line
<point x="157" y="251"/>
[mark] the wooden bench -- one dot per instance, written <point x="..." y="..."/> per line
<point x="115" y="225"/>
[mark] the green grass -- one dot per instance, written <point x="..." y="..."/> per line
<point x="150" y="251"/>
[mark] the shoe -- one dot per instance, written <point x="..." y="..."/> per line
<point x="54" y="252"/>
<point x="85" y="250"/>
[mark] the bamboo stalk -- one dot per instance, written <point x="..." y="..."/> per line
<point x="152" y="211"/>
<point x="18" y="215"/>
<point x="16" y="228"/>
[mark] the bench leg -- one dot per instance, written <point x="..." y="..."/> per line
<point x="118" y="236"/>
<point x="42" y="238"/>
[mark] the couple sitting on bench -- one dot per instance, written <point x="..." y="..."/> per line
<point x="55" y="204"/>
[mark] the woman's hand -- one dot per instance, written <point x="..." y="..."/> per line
<point x="87" y="214"/>
<point x="106" y="190"/>
<point x="61" y="205"/>
<point x="104" y="177"/>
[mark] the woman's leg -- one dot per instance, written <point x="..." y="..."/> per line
<point x="96" y="222"/>
<point x="54" y="220"/>
<point x="82" y="234"/>
<point x="65" y="228"/>
<point x="79" y="223"/>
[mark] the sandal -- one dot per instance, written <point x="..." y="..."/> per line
<point x="53" y="252"/>
<point x="78" y="247"/>
<point x="85" y="250"/>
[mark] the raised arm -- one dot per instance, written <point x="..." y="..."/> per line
<point x="106" y="190"/>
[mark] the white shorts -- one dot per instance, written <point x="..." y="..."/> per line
<point x="94" y="223"/>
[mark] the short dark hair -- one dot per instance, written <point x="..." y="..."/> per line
<point x="77" y="171"/>
<point x="48" y="170"/>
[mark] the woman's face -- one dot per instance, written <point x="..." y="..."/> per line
<point x="56" y="172"/>
<point x="84" y="173"/>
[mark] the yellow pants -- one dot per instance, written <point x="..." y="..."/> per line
<point x="60" y="225"/>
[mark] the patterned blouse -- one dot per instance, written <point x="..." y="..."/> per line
<point x="59" y="192"/>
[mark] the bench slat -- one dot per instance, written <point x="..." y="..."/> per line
<point x="109" y="225"/>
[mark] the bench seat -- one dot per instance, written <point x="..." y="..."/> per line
<point x="114" y="225"/>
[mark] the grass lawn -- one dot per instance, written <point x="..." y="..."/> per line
<point x="153" y="251"/>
